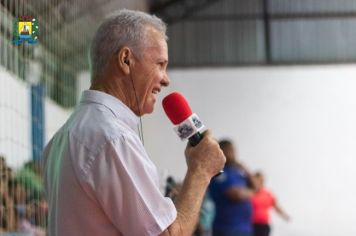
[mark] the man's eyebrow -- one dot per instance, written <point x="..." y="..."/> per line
<point x="163" y="60"/>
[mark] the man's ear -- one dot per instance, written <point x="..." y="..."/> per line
<point x="123" y="60"/>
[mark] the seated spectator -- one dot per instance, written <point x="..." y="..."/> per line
<point x="22" y="204"/>
<point x="7" y="213"/>
<point x="30" y="177"/>
<point x="3" y="164"/>
<point x="23" y="210"/>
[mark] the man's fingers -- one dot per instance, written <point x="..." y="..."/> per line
<point x="207" y="133"/>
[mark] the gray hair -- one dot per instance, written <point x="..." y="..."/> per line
<point x="123" y="28"/>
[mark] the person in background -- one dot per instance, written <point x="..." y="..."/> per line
<point x="15" y="210"/>
<point x="7" y="209"/>
<point x="31" y="179"/>
<point x="231" y="194"/>
<point x="262" y="201"/>
<point x="206" y="217"/>
<point x="170" y="189"/>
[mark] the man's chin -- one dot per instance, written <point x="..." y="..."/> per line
<point x="148" y="110"/>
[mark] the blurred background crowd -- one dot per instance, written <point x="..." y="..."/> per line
<point x="23" y="206"/>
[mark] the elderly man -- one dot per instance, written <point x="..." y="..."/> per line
<point x="98" y="177"/>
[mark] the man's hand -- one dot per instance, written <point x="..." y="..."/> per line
<point x="206" y="158"/>
<point x="204" y="161"/>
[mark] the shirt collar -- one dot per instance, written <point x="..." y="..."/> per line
<point x="117" y="107"/>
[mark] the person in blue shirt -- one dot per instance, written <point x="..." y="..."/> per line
<point x="231" y="192"/>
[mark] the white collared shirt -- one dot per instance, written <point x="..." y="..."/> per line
<point x="98" y="177"/>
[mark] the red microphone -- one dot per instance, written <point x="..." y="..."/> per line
<point x="187" y="124"/>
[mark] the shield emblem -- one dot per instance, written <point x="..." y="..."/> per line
<point x="25" y="29"/>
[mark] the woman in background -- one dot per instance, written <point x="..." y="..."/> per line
<point x="262" y="201"/>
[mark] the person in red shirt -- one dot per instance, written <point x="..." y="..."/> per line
<point x="262" y="201"/>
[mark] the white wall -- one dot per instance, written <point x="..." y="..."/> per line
<point x="297" y="124"/>
<point x="15" y="119"/>
<point x="15" y="122"/>
<point x="55" y="117"/>
<point x="83" y="83"/>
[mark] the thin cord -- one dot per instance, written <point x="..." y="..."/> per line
<point x="140" y="130"/>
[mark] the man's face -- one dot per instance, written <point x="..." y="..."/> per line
<point x="149" y="74"/>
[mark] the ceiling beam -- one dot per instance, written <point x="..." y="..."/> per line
<point x="173" y="11"/>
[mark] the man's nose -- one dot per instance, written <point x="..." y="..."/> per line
<point x="165" y="81"/>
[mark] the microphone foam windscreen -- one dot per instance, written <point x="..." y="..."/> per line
<point x="176" y="108"/>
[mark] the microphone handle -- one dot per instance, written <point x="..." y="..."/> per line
<point x="195" y="139"/>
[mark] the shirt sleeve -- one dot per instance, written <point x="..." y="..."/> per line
<point x="125" y="183"/>
<point x="272" y="198"/>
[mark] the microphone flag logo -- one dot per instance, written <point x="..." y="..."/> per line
<point x="189" y="127"/>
